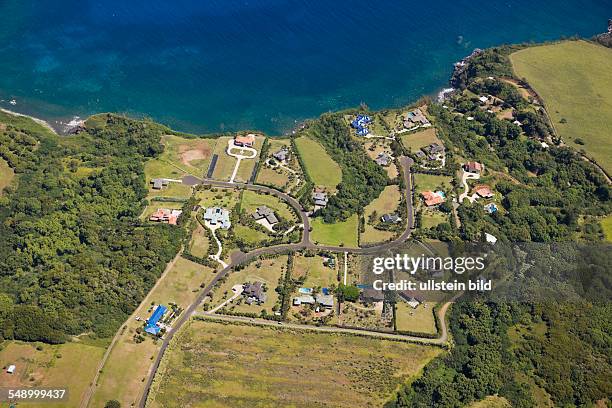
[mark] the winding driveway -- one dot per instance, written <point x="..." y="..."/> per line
<point x="406" y="163"/>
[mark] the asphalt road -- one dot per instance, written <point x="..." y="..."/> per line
<point x="305" y="243"/>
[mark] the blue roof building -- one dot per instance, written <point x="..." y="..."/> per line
<point x="490" y="208"/>
<point x="152" y="326"/>
<point x="361" y="124"/>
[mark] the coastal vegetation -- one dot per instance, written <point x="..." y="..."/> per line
<point x="575" y="82"/>
<point x="242" y="365"/>
<point x="362" y="179"/>
<point x="74" y="256"/>
<point x="6" y="175"/>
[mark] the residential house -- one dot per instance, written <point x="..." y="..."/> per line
<point x="420" y="154"/>
<point x="416" y="119"/>
<point x="159" y="183"/>
<point x="152" y="326"/>
<point x="390" y="218"/>
<point x="326" y="301"/>
<point x="282" y="155"/>
<point x="473" y="167"/>
<point x="360" y="124"/>
<point x="166" y="215"/>
<point x="254" y="292"/>
<point x="244" y="140"/>
<point x="433" y="199"/>
<point x="320" y="198"/>
<point x="490" y="208"/>
<point x="266" y="213"/>
<point x="303" y="300"/>
<point x="217" y="216"/>
<point x="483" y="191"/>
<point x="384" y="159"/>
<point x="371" y="295"/>
<point x="483" y="99"/>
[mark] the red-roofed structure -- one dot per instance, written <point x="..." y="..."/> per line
<point x="483" y="191"/>
<point x="432" y="199"/>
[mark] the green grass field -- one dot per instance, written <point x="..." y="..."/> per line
<point x="320" y="167"/>
<point x="199" y="244"/>
<point x="387" y="202"/>
<point x="316" y="273"/>
<point x="491" y="402"/>
<point x="575" y="80"/>
<point x="419" y="320"/>
<point x="6" y="175"/>
<point x="223" y="365"/>
<point x="70" y="365"/>
<point x="424" y="182"/>
<point x="432" y="218"/>
<point x="606" y="224"/>
<point x="339" y="233"/>
<point x="422" y="138"/>
<point x="225" y="164"/>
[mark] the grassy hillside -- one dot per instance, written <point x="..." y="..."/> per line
<point x="575" y="80"/>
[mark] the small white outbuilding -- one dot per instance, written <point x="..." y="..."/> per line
<point x="11" y="369"/>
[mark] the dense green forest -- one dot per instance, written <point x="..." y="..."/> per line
<point x="362" y="179"/>
<point x="73" y="256"/>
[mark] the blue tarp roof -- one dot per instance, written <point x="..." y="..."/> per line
<point x="158" y="313"/>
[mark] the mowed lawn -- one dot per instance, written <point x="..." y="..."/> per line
<point x="251" y="200"/>
<point x="575" y="80"/>
<point x="70" y="365"/>
<point x="430" y="182"/>
<point x="127" y="366"/>
<point x="320" y="167"/>
<point x="415" y="141"/>
<point x="339" y="233"/>
<point x="6" y="174"/>
<point x="316" y="273"/>
<point x="216" y="365"/>
<point x="387" y="202"/>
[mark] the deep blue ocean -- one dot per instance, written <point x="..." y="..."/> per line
<point x="211" y="65"/>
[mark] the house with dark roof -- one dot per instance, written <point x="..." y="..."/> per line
<point x="282" y="155"/>
<point x="384" y="159"/>
<point x="266" y="213"/>
<point x="326" y="301"/>
<point x="371" y="295"/>
<point x="254" y="292"/>
<point x="415" y="119"/>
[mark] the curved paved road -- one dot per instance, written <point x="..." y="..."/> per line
<point x="405" y="162"/>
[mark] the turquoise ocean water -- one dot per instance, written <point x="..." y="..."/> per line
<point x="203" y="66"/>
